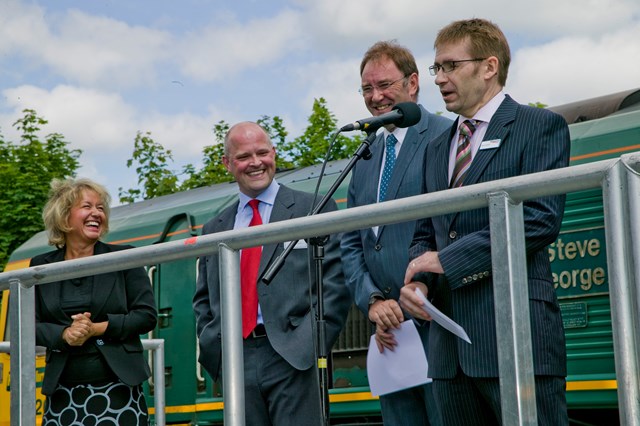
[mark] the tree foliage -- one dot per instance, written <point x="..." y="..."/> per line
<point x="26" y="170"/>
<point x="153" y="163"/>
<point x="311" y="147"/>
<point x="212" y="171"/>
<point x="538" y="104"/>
<point x="152" y="166"/>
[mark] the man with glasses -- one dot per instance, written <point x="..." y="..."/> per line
<point x="493" y="138"/>
<point x="374" y="258"/>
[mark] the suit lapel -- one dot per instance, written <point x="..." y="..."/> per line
<point x="374" y="168"/>
<point x="51" y="292"/>
<point x="282" y="210"/>
<point x="439" y="172"/>
<point x="499" y="127"/>
<point x="103" y="284"/>
<point x="441" y="149"/>
<point x="407" y="152"/>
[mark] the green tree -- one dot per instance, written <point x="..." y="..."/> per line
<point x="152" y="167"/>
<point x="26" y="170"/>
<point x="311" y="147"/>
<point x="156" y="177"/>
<point x="538" y="105"/>
<point x="213" y="170"/>
<point x="278" y="134"/>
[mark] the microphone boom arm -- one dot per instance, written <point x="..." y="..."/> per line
<point x="363" y="151"/>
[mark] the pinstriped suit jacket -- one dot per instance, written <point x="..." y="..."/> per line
<point x="532" y="140"/>
<point x="376" y="264"/>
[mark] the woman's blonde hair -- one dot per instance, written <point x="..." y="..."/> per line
<point x="63" y="195"/>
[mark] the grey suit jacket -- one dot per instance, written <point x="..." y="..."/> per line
<point x="376" y="264"/>
<point x="124" y="298"/>
<point x="284" y="302"/>
<point x="532" y="140"/>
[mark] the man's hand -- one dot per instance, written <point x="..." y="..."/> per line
<point x="386" y="314"/>
<point x="427" y="262"/>
<point x="411" y="302"/>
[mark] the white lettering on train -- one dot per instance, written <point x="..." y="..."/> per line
<point x="568" y="251"/>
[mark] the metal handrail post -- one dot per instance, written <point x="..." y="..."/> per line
<point x="23" y="354"/>
<point x="633" y="200"/>
<point x="511" y="301"/>
<point x="232" y="353"/>
<point x="156" y="347"/>
<point x="622" y="295"/>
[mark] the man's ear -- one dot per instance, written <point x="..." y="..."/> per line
<point x="491" y="69"/>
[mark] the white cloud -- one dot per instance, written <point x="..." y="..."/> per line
<point x="99" y="78"/>
<point x="88" y="48"/>
<point x="336" y="23"/>
<point x="104" y="126"/>
<point x="92" y="120"/>
<point x="82" y="48"/>
<point x="576" y="68"/>
<point x="219" y="52"/>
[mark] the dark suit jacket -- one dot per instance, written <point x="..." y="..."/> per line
<point x="285" y="301"/>
<point x="532" y="140"/>
<point x="376" y="264"/>
<point x="124" y="298"/>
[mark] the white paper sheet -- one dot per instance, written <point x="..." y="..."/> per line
<point x="404" y="367"/>
<point x="442" y="319"/>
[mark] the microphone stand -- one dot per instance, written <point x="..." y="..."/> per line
<point x="317" y="244"/>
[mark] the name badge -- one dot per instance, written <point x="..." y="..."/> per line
<point x="492" y="144"/>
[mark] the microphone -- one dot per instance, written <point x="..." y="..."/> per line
<point x="404" y="114"/>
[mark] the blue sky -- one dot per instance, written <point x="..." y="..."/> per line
<point x="101" y="70"/>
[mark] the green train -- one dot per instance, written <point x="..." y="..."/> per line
<point x="601" y="128"/>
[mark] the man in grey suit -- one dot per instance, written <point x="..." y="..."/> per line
<point x="452" y="254"/>
<point x="374" y="259"/>
<point x="281" y="385"/>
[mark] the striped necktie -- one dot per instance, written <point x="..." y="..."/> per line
<point x="389" y="162"/>
<point x="463" y="153"/>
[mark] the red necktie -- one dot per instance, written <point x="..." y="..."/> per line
<point x="249" y="264"/>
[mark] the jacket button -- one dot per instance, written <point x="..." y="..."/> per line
<point x="464" y="281"/>
<point x="387" y="290"/>
<point x="453" y="234"/>
<point x="100" y="342"/>
<point x="475" y="277"/>
<point x="378" y="247"/>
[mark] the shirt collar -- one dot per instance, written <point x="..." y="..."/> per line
<point x="398" y="132"/>
<point x="485" y="113"/>
<point x="267" y="196"/>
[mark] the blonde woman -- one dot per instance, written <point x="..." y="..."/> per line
<point x="91" y="326"/>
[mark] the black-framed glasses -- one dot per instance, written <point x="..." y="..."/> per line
<point x="381" y="87"/>
<point x="448" y="66"/>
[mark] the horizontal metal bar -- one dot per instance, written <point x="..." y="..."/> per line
<point x="560" y="181"/>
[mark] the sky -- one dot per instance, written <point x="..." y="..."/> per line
<point x="102" y="70"/>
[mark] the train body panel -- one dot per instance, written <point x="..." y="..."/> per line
<point x="578" y="263"/>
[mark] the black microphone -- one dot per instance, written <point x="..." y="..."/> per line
<point x="404" y="114"/>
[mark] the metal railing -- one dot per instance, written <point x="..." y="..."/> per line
<point x="618" y="179"/>
<point x="156" y="352"/>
